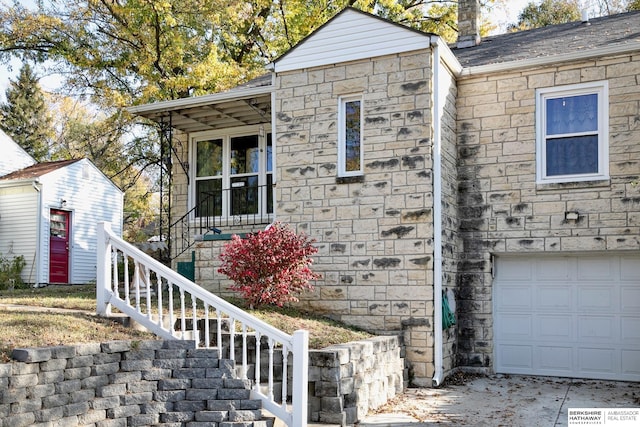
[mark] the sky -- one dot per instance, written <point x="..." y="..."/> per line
<point x="501" y="16"/>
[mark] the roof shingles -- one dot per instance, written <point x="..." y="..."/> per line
<point x="553" y="40"/>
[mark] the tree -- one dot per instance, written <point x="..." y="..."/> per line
<point x="84" y="132"/>
<point x="548" y="12"/>
<point x="25" y="115"/>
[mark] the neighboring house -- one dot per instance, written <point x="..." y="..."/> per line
<point x="49" y="214"/>
<point x="499" y="171"/>
<point x="13" y="157"/>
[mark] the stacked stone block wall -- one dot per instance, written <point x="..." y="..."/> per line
<point x="374" y="232"/>
<point x="502" y="208"/>
<point x="348" y="380"/>
<point x="123" y="383"/>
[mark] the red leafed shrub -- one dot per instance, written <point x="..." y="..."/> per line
<point x="271" y="266"/>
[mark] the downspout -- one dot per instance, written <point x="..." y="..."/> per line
<point x="36" y="258"/>
<point x="437" y="219"/>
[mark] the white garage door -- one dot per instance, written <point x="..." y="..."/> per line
<point x="573" y="316"/>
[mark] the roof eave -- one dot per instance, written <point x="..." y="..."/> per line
<point x="549" y="60"/>
<point x="197" y="101"/>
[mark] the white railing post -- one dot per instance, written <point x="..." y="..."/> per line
<point x="300" y="378"/>
<point x="108" y="244"/>
<point x="103" y="270"/>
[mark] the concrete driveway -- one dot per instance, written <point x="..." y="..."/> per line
<point x="503" y="400"/>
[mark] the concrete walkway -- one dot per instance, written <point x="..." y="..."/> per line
<point x="503" y="400"/>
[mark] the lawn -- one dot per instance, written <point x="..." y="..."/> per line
<point x="24" y="328"/>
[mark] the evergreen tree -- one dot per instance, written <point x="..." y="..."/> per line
<point x="25" y="115"/>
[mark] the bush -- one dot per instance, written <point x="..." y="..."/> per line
<point x="271" y="266"/>
<point x="10" y="270"/>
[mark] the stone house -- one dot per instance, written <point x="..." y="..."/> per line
<point x="496" y="176"/>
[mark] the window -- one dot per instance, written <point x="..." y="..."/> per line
<point x="572" y="133"/>
<point x="234" y="175"/>
<point x="350" y="153"/>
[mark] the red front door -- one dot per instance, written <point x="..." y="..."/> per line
<point x="59" y="246"/>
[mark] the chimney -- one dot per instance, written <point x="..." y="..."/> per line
<point x="468" y="23"/>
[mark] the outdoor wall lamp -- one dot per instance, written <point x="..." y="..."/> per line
<point x="571" y="215"/>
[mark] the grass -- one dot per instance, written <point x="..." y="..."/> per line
<point x="22" y="328"/>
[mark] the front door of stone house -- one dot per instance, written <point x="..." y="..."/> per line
<point x="59" y="231"/>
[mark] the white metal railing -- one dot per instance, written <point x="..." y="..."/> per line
<point x="146" y="290"/>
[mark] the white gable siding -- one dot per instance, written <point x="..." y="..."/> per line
<point x="90" y="197"/>
<point x="337" y="42"/>
<point x="13" y="156"/>
<point x="18" y="226"/>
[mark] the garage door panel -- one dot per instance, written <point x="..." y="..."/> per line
<point x="631" y="363"/>
<point x="516" y="269"/>
<point x="594" y="269"/>
<point x="576" y="316"/>
<point x="598" y="329"/>
<point x="630" y="330"/>
<point x="517" y="327"/>
<point x="597" y="360"/>
<point x="556" y="358"/>
<point x="553" y="328"/>
<point x="515" y="298"/>
<point x="557" y="297"/>
<point x="630" y="299"/>
<point x="552" y="269"/>
<point x="516" y="356"/>
<point x="597" y="298"/>
<point x="629" y="269"/>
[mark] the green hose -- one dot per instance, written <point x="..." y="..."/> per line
<point x="448" y="318"/>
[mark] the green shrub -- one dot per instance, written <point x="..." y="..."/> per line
<point x="10" y="270"/>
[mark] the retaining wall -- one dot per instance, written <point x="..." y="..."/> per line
<point x="123" y="383"/>
<point x="347" y="380"/>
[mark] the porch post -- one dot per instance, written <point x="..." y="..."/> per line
<point x="300" y="378"/>
<point x="103" y="272"/>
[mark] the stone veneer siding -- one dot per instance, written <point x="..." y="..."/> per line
<point x="374" y="232"/>
<point x="503" y="210"/>
<point x="121" y="383"/>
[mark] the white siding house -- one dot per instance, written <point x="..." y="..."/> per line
<point x="49" y="213"/>
<point x="13" y="156"/>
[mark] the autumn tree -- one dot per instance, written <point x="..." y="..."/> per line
<point x="547" y="12"/>
<point x="117" y="53"/>
<point x="81" y="131"/>
<point x="25" y="116"/>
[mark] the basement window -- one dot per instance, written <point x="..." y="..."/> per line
<point x="572" y="133"/>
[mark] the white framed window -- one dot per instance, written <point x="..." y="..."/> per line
<point x="572" y="133"/>
<point x="233" y="174"/>
<point x="350" y="149"/>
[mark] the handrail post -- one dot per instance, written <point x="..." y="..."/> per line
<point x="300" y="377"/>
<point x="103" y="270"/>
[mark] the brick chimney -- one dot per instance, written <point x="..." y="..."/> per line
<point x="468" y="23"/>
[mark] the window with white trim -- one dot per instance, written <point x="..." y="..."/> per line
<point x="233" y="175"/>
<point x="350" y="152"/>
<point x="572" y="135"/>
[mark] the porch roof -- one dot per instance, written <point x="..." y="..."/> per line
<point x="247" y="104"/>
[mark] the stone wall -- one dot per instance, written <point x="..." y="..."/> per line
<point x="123" y="383"/>
<point x="170" y="383"/>
<point x="374" y="232"/>
<point x="348" y="380"/>
<point x="503" y="210"/>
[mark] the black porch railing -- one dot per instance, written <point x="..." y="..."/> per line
<point x="219" y="210"/>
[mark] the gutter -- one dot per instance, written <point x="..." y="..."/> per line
<point x="437" y="218"/>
